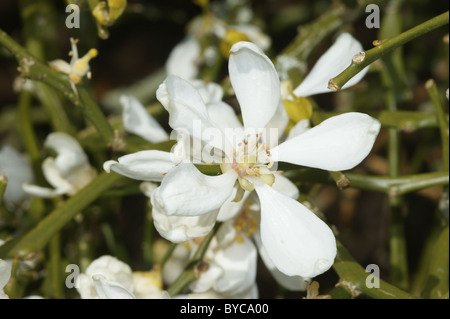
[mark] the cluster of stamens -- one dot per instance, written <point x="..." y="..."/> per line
<point x="251" y="157"/>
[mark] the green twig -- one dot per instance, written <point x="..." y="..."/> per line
<point x="442" y="119"/>
<point x="191" y="271"/>
<point x="436" y="285"/>
<point x="363" y="59"/>
<point x="353" y="277"/>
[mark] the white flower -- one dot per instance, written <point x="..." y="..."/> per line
<point x="297" y="241"/>
<point x="109" y="278"/>
<point x="69" y="172"/>
<point x="335" y="60"/>
<point x="17" y="170"/>
<point x="103" y="273"/>
<point x="138" y="121"/>
<point x="5" y="274"/>
<point x="187" y="56"/>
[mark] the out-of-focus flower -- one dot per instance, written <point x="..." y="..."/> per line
<point x="109" y="278"/>
<point x="69" y="172"/>
<point x="137" y="120"/>
<point x="17" y="170"/>
<point x="106" y="13"/>
<point x="5" y="274"/>
<point x="189" y="55"/>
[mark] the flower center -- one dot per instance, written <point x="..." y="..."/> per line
<point x="251" y="157"/>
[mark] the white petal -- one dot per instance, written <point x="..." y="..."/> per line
<point x="5" y="273"/>
<point x="338" y="143"/>
<point x="185" y="191"/>
<point x="138" y="121"/>
<point x="223" y="116"/>
<point x="284" y="186"/>
<point x="255" y="82"/>
<point x="17" y="169"/>
<point x="147" y="188"/>
<point x="335" y="60"/>
<point x="187" y="110"/>
<point x="210" y="92"/>
<point x="109" y="289"/>
<point x="45" y="192"/>
<point x="178" y="229"/>
<point x="299" y="128"/>
<point x="70" y="153"/>
<point x="182" y="59"/>
<point x="239" y="262"/>
<point x="276" y="126"/>
<point x="206" y="279"/>
<point x="149" y="165"/>
<point x="230" y="208"/>
<point x="293" y="283"/>
<point x="61" y="66"/>
<point x="297" y="241"/>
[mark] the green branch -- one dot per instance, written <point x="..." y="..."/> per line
<point x="353" y="277"/>
<point x="363" y="59"/>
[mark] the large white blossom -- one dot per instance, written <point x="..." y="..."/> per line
<point x="296" y="240"/>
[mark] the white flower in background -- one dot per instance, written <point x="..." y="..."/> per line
<point x="16" y="168"/>
<point x="228" y="268"/>
<point x="187" y="56"/>
<point x="69" y="172"/>
<point x="335" y="60"/>
<point x="138" y="121"/>
<point x="109" y="278"/>
<point x="78" y="67"/>
<point x="297" y="241"/>
<point x="5" y="274"/>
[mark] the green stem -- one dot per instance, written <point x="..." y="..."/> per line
<point x="354" y="276"/>
<point x="442" y="119"/>
<point x="190" y="273"/>
<point x="436" y="285"/>
<point x="38" y="237"/>
<point x="386" y="46"/>
<point x="55" y="267"/>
